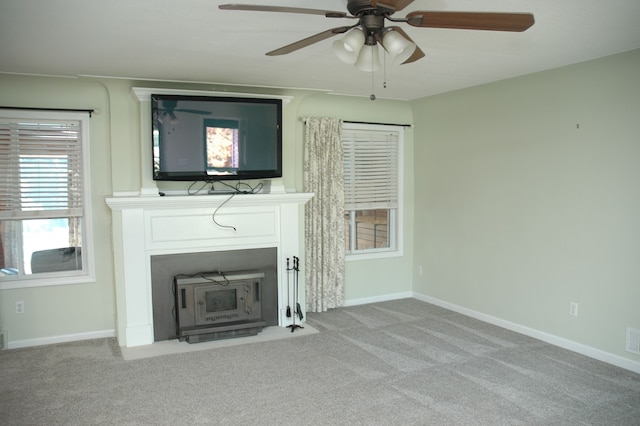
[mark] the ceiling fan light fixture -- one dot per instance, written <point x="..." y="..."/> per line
<point x="349" y="46"/>
<point x="398" y="47"/>
<point x="368" y="58"/>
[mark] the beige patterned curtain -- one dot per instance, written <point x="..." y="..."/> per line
<point x="324" y="214"/>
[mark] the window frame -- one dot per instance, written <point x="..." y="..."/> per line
<point x="87" y="274"/>
<point x="396" y="225"/>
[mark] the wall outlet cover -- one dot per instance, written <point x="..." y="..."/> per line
<point x="633" y="341"/>
<point x="573" y="309"/>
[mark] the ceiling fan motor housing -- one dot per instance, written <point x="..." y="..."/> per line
<point x="372" y="23"/>
<point x="360" y="7"/>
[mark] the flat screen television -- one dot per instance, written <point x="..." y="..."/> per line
<point x="210" y="138"/>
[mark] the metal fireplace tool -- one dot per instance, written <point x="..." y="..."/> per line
<point x="298" y="310"/>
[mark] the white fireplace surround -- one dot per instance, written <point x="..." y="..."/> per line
<point x="146" y="226"/>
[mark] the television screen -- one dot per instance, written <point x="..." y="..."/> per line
<point x="203" y="138"/>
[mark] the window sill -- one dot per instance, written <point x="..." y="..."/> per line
<point x="381" y="254"/>
<point x="46" y="281"/>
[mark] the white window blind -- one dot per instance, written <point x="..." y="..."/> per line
<point x="370" y="169"/>
<point x="40" y="169"/>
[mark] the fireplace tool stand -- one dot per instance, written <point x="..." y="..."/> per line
<point x="298" y="310"/>
<point x="288" y="292"/>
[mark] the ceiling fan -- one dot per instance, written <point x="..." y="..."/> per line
<point x="358" y="46"/>
<point x="168" y="109"/>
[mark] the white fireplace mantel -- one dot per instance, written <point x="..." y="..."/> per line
<point x="145" y="226"/>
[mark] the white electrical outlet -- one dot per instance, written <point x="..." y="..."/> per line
<point x="573" y="309"/>
<point x="420" y="270"/>
<point x="20" y="307"/>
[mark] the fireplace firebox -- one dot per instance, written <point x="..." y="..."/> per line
<point x="217" y="306"/>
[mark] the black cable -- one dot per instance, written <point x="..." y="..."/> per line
<point x="206" y="277"/>
<point x="237" y="187"/>
<point x="205" y="183"/>
<point x="213" y="216"/>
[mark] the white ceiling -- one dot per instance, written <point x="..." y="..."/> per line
<point x="192" y="40"/>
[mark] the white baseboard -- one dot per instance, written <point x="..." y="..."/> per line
<point x="61" y="339"/>
<point x="376" y="299"/>
<point x="561" y="342"/>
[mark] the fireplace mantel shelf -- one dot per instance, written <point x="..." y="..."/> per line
<point x="196" y="201"/>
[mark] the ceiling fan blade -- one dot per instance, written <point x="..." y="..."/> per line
<point x="261" y="8"/>
<point x="417" y="54"/>
<point x="471" y="20"/>
<point x="309" y="41"/>
<point x="192" y="111"/>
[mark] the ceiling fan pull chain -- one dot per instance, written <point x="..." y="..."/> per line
<point x="373" y="95"/>
<point x="373" y="88"/>
<point x="384" y="69"/>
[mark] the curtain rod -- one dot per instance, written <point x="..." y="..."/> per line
<point x="370" y="122"/>
<point x="89" y="111"/>
<point x="379" y="124"/>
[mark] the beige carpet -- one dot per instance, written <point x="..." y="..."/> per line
<point x="401" y="362"/>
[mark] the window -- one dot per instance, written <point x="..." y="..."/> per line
<point x="372" y="185"/>
<point x="43" y="198"/>
<point x="221" y="144"/>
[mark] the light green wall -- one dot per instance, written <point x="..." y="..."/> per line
<point x="79" y="308"/>
<point x="528" y="198"/>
